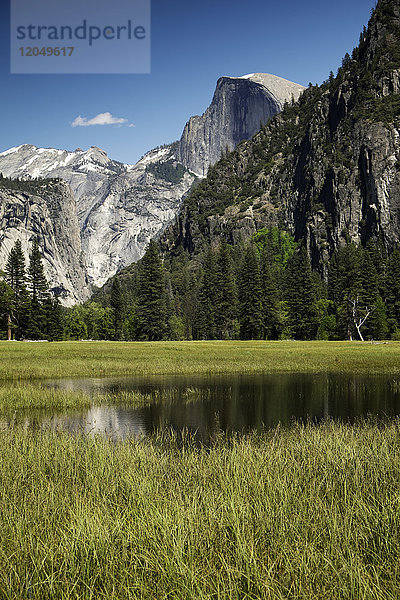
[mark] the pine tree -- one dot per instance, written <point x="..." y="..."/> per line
<point x="250" y="296"/>
<point x="38" y="292"/>
<point x="16" y="278"/>
<point x="378" y="323"/>
<point x="37" y="283"/>
<point x="225" y="300"/>
<point x="170" y="306"/>
<point x="393" y="292"/>
<point x="376" y="326"/>
<point x="54" y="316"/>
<point x="6" y="302"/>
<point x="301" y="297"/>
<point x="346" y="60"/>
<point x="188" y="300"/>
<point x="345" y="286"/>
<point x="269" y="298"/>
<point x="151" y="307"/>
<point x="184" y="289"/>
<point x="205" y="325"/>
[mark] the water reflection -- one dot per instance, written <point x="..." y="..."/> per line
<point x="233" y="403"/>
<point x="203" y="404"/>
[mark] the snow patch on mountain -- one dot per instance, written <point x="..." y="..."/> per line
<point x="119" y="207"/>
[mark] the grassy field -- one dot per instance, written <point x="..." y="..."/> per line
<point x="20" y="360"/>
<point x="304" y="513"/>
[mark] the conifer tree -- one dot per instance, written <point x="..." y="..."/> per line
<point x="151" y="305"/>
<point x="225" y="301"/>
<point x="54" y="319"/>
<point x="393" y="292"/>
<point x="345" y="286"/>
<point x="37" y="283"/>
<point x="250" y="295"/>
<point x="376" y="325"/>
<point x="189" y="290"/>
<point x="117" y="304"/>
<point x="269" y="297"/>
<point x="16" y="278"/>
<point x="170" y="307"/>
<point x="301" y="297"/>
<point x="184" y="288"/>
<point x="207" y="296"/>
<point x="38" y="292"/>
<point x="6" y="302"/>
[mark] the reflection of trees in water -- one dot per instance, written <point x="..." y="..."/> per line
<point x="252" y="402"/>
<point x="231" y="403"/>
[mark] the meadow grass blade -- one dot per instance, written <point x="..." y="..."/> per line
<point x="304" y="512"/>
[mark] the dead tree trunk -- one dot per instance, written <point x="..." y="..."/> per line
<point x="9" y="332"/>
<point x="358" y="319"/>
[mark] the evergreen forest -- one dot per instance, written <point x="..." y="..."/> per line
<point x="264" y="289"/>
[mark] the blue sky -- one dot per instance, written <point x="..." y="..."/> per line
<point x="193" y="44"/>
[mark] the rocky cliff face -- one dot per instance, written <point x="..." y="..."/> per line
<point x="119" y="207"/>
<point x="240" y="106"/>
<point x="132" y="208"/>
<point x="327" y="168"/>
<point x="46" y="211"/>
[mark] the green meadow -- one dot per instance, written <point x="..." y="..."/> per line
<point x="307" y="513"/>
<point x="304" y="512"/>
<point x="23" y="360"/>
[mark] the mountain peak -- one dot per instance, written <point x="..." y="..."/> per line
<point x="239" y="107"/>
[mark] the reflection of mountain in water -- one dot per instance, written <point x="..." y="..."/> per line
<point x="111" y="421"/>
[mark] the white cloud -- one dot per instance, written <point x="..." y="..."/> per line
<point x="105" y="118"/>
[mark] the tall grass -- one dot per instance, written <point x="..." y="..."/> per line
<point x="304" y="513"/>
<point x="21" y="361"/>
<point x="25" y="397"/>
<point x="28" y="396"/>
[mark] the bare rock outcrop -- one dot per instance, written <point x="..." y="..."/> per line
<point x="240" y="106"/>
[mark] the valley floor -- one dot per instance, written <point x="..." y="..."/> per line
<point x="35" y="360"/>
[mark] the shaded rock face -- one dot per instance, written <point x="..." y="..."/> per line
<point x="310" y="193"/>
<point x="50" y="215"/>
<point x="119" y="207"/>
<point x="240" y="106"/>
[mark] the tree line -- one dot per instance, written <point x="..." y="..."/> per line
<point x="264" y="289"/>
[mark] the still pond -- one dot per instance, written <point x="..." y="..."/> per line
<point x="202" y="405"/>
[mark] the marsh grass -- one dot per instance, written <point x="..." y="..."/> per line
<point x="299" y="513"/>
<point x="168" y="396"/>
<point x="306" y="512"/>
<point x="28" y="396"/>
<point x="23" y="361"/>
<point x="15" y="397"/>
